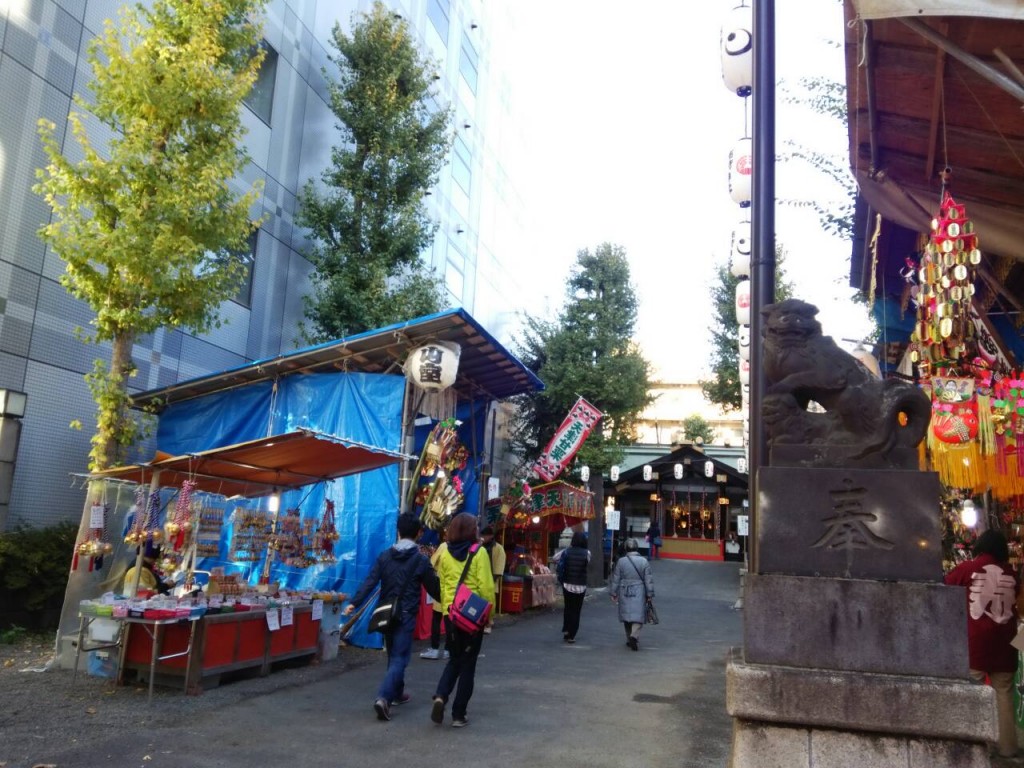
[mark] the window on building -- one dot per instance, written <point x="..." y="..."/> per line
<point x="261" y="98"/>
<point x="461" y="164"/>
<point x="247" y="256"/>
<point x="438" y="12"/>
<point x="468" y="64"/>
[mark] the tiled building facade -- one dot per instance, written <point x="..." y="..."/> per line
<point x="290" y="134"/>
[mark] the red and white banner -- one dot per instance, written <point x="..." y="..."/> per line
<point x="567" y="440"/>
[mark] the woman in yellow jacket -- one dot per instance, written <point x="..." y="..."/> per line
<point x="463" y="647"/>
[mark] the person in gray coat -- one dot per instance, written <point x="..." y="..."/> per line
<point x="631" y="585"/>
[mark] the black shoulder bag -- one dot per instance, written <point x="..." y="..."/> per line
<point x="385" y="616"/>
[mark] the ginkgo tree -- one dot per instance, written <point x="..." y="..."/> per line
<point x="146" y="222"/>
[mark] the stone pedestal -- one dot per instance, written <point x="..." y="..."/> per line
<point x="855" y="653"/>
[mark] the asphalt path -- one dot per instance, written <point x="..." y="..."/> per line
<point x="538" y="701"/>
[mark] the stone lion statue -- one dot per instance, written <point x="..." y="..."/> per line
<point x="865" y="421"/>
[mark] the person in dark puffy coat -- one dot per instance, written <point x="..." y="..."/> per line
<point x="572" y="573"/>
<point x="398" y="569"/>
<point x="991" y="595"/>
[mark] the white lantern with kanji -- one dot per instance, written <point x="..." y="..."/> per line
<point x="709" y="468"/>
<point x="648" y="473"/>
<point x="743" y="302"/>
<point x="744" y="372"/>
<point x="741" y="170"/>
<point x="744" y="342"/>
<point x="677" y="471"/>
<point x="737" y="50"/>
<point x="433" y="366"/>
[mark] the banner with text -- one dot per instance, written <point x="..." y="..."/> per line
<point x="567" y="440"/>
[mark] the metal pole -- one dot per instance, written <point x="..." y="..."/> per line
<point x="762" y="273"/>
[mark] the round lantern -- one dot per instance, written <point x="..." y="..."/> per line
<point x="709" y="468"/>
<point x="739" y="260"/>
<point x="677" y="471"/>
<point x="614" y="473"/>
<point x="648" y="473"/>
<point x="433" y="366"/>
<point x="744" y="342"/>
<point x="741" y="465"/>
<point x="743" y="302"/>
<point x="584" y="473"/>
<point x="741" y="170"/>
<point x="744" y="372"/>
<point x="737" y="50"/>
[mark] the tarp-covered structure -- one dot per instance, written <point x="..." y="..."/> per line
<point x="337" y="421"/>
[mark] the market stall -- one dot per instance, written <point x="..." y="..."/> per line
<point x="528" y="522"/>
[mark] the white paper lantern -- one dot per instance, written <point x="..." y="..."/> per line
<point x="677" y="471"/>
<point x="739" y="256"/>
<point x="709" y="468"/>
<point x="741" y="170"/>
<point x="744" y="372"/>
<point x="648" y="473"/>
<point x="741" y="465"/>
<point x="614" y="474"/>
<point x="584" y="473"/>
<point x="743" y="302"/>
<point x="744" y="342"/>
<point x="433" y="366"/>
<point x="738" y="51"/>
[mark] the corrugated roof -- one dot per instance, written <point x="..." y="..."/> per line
<point x="486" y="368"/>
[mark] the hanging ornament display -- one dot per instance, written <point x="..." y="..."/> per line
<point x="325" y="536"/>
<point x="93" y="545"/>
<point x="739" y="260"/>
<point x="944" y="330"/>
<point x="737" y="50"/>
<point x="741" y="170"/>
<point x="179" y="525"/>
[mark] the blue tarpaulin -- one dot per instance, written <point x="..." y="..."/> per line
<point x="361" y="407"/>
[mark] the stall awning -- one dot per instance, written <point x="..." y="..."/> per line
<point x="259" y="467"/>
<point x="486" y="369"/>
<point x="556" y="505"/>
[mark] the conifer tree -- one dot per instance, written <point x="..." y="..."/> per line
<point x="368" y="221"/>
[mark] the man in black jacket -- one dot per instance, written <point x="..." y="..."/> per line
<point x="400" y="570"/>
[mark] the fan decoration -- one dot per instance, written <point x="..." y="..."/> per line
<point x="443" y="456"/>
<point x="93" y="545"/>
<point x="325" y="536"/>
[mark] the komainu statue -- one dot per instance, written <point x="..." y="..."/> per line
<point x="866" y="422"/>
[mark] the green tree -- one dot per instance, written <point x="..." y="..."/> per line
<point x="586" y="352"/>
<point x="698" y="429"/>
<point x="147" y="225"/>
<point x="723" y="388"/>
<point x="369" y="224"/>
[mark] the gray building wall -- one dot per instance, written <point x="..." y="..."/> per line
<point x="42" y="64"/>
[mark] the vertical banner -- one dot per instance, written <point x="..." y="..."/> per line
<point x="567" y="440"/>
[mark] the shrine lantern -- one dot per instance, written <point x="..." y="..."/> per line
<point x="744" y="372"/>
<point x="741" y="170"/>
<point x="737" y="50"/>
<point x="648" y="473"/>
<point x="743" y="302"/>
<point x="677" y="471"/>
<point x="739" y="259"/>
<point x="614" y="473"/>
<point x="433" y="366"/>
<point x="744" y="342"/>
<point x="709" y="468"/>
<point x="584" y="474"/>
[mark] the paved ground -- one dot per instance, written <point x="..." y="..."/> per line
<point x="538" y="701"/>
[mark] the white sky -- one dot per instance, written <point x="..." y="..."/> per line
<point x="628" y="127"/>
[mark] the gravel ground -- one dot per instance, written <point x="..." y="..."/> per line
<point x="38" y="706"/>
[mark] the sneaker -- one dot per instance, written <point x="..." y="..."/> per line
<point x="459" y="722"/>
<point x="382" y="709"/>
<point x="437" y="710"/>
<point x="403" y="699"/>
<point x="570" y="640"/>
<point x="432" y="653"/>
